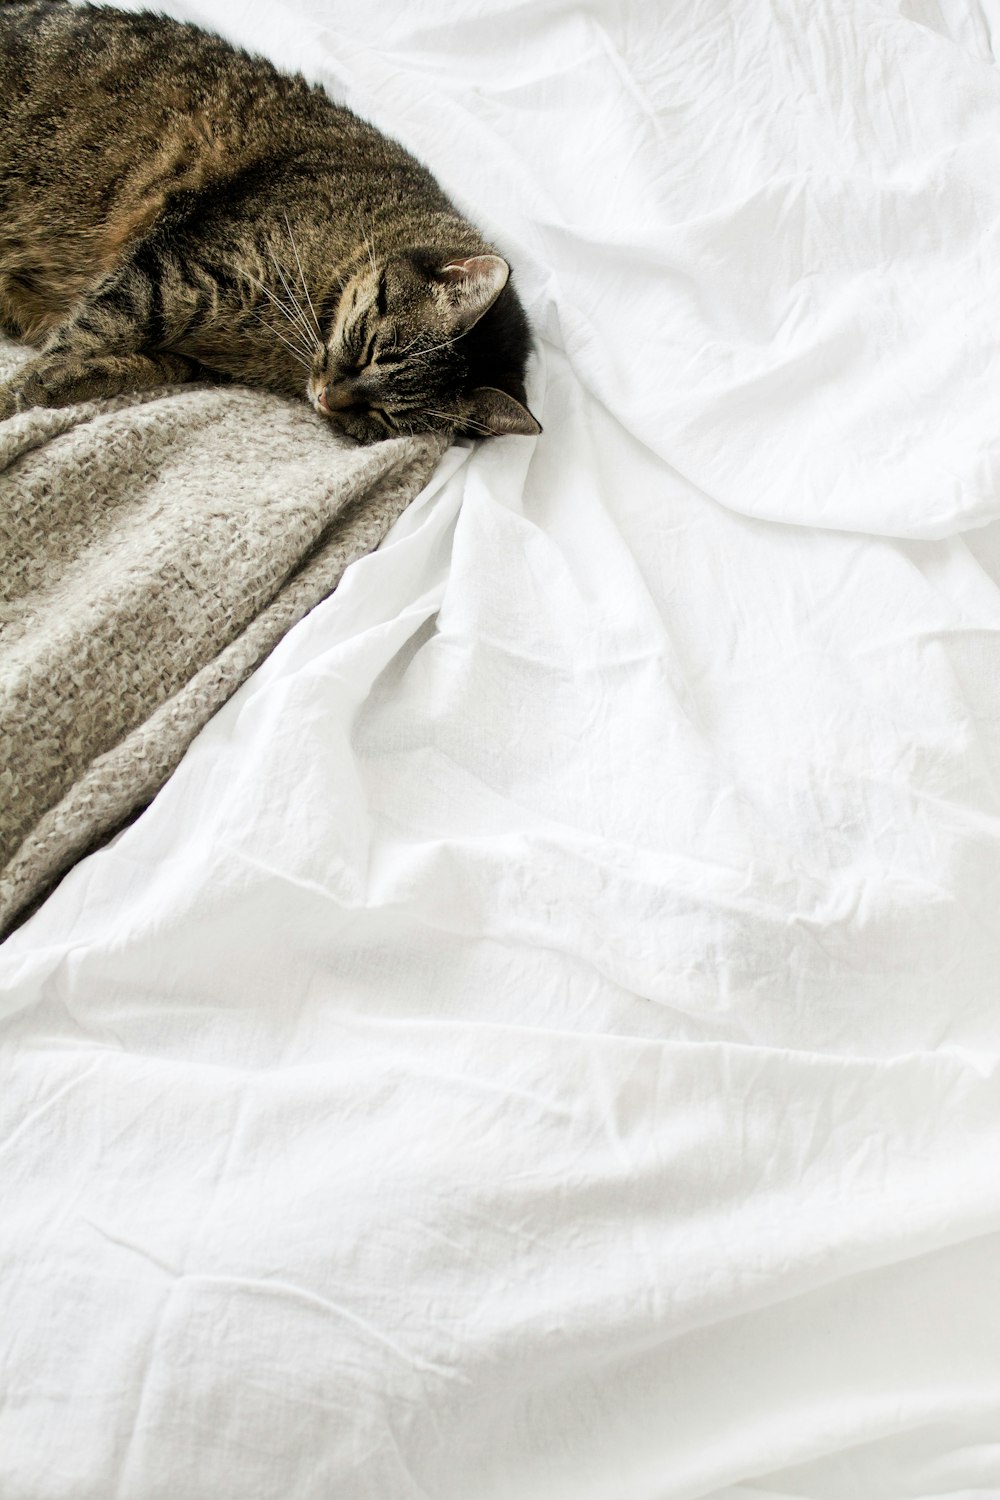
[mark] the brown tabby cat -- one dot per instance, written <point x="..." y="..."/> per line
<point x="171" y="208"/>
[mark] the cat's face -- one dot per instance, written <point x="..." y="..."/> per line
<point x="399" y="359"/>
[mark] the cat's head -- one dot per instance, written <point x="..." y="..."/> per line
<point x="425" y="342"/>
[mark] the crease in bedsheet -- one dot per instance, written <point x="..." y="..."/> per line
<point x="651" y="1064"/>
<point x="485" y="901"/>
<point x="38" y="1111"/>
<point x="584" y="1345"/>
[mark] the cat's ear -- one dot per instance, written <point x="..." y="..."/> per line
<point x="471" y="286"/>
<point x="500" y="414"/>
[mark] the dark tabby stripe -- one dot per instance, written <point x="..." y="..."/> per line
<point x="171" y="207"/>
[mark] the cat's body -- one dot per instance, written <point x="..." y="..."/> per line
<point x="170" y="207"/>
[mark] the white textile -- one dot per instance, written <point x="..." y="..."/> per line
<point x="544" y="1042"/>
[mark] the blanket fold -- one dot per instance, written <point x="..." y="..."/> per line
<point x="153" y="550"/>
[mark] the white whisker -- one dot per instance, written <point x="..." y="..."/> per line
<point x="435" y="348"/>
<point x="268" y="292"/>
<point x="369" y="247"/>
<point x="298" y="262"/>
<point x="308" y="347"/>
<point x="455" y="420"/>
<point x="299" y="317"/>
<point x="296" y="351"/>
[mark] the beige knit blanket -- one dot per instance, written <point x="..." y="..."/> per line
<point x="153" y="550"/>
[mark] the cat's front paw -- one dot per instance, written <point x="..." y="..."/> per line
<point x="9" y="402"/>
<point x="25" y="388"/>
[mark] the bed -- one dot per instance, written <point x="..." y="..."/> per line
<point x="542" y="1042"/>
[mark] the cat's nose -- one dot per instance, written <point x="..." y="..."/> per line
<point x="338" y="395"/>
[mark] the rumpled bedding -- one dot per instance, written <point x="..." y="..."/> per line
<point x="543" y="1043"/>
<point x="153" y="549"/>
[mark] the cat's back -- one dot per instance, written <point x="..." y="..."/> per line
<point x="95" y="83"/>
<point x="108" y="118"/>
<point x="96" y="102"/>
<point x="155" y="180"/>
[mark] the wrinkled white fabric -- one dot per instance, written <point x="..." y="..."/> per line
<point x="544" y="1042"/>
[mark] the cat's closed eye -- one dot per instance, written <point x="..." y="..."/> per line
<point x="380" y="303"/>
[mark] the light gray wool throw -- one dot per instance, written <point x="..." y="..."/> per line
<point x="153" y="550"/>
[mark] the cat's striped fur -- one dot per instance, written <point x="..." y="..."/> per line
<point x="171" y="207"/>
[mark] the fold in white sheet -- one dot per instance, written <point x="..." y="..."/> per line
<point x="542" y="1044"/>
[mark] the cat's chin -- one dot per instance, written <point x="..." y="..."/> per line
<point x="355" y="430"/>
<point x="349" y="439"/>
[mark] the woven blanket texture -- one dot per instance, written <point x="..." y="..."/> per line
<point x="153" y="550"/>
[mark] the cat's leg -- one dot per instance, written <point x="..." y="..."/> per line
<point x="61" y="379"/>
<point x="105" y="348"/>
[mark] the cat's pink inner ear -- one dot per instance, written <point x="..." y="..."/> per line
<point x="472" y="285"/>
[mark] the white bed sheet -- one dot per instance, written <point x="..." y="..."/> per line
<point x="543" y="1042"/>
